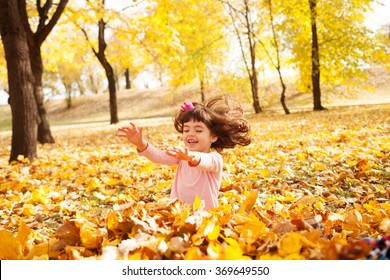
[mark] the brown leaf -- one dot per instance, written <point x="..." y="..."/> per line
<point x="284" y="227"/>
<point x="68" y="235"/>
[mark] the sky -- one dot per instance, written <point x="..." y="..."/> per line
<point x="379" y="17"/>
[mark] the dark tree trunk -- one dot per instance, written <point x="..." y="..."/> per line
<point x="315" y="58"/>
<point x="20" y="81"/>
<point x="101" y="56"/>
<point x="127" y="77"/>
<point x="44" y="132"/>
<point x="277" y="66"/>
<point x="255" y="92"/>
<point x="252" y="72"/>
<point x="35" y="41"/>
<point x="283" y="99"/>
<point x="109" y="72"/>
<point x="112" y="91"/>
<point x="251" y="69"/>
<point x="202" y="94"/>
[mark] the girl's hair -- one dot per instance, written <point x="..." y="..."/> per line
<point x="224" y="117"/>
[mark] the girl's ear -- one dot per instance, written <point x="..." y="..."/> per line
<point x="214" y="138"/>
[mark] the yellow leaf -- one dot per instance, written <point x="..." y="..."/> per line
<point x="92" y="184"/>
<point x="214" y="234"/>
<point x="137" y="256"/>
<point x="234" y="253"/>
<point x="28" y="210"/>
<point x="197" y="203"/>
<point x="319" y="166"/>
<point x="38" y="196"/>
<point x="264" y="173"/>
<point x="193" y="253"/>
<point x="43" y="250"/>
<point x="10" y="248"/>
<point x="65" y="157"/>
<point x="112" y="182"/>
<point x="90" y="236"/>
<point x="112" y="221"/>
<point x="289" y="244"/>
<point x="23" y="234"/>
<point x="249" y="201"/>
<point x="231" y="241"/>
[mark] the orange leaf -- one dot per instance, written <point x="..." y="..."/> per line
<point x="10" y="248"/>
<point x="23" y="233"/>
<point x="289" y="244"/>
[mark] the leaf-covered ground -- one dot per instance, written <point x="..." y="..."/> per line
<point x="311" y="186"/>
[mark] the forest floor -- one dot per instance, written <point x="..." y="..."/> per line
<point x="311" y="185"/>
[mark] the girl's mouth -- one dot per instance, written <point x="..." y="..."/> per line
<point x="192" y="142"/>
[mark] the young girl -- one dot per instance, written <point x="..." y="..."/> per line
<point x="217" y="125"/>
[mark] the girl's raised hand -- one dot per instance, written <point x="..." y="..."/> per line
<point x="134" y="135"/>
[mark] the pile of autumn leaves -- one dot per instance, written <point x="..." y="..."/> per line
<point x="91" y="196"/>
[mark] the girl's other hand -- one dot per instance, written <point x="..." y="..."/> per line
<point x="134" y="135"/>
<point x="182" y="153"/>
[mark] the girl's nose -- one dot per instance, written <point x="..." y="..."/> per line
<point x="190" y="133"/>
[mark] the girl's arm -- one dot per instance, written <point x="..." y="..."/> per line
<point x="134" y="135"/>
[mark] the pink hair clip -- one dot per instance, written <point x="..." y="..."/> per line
<point x="187" y="106"/>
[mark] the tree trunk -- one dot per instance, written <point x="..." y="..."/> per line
<point x="44" y="132"/>
<point x="283" y="99"/>
<point x="127" y="77"/>
<point x="35" y="41"/>
<point x="253" y="71"/>
<point x="277" y="66"/>
<point x="202" y="90"/>
<point x="20" y="81"/>
<point x="112" y="91"/>
<point x="93" y="83"/>
<point x="255" y="92"/>
<point x="100" y="54"/>
<point x="315" y="58"/>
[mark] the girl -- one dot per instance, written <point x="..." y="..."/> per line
<point x="217" y="125"/>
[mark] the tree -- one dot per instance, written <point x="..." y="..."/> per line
<point x="100" y="51"/>
<point x="20" y="81"/>
<point x="315" y="57"/>
<point x="3" y="72"/>
<point x="66" y="60"/>
<point x="329" y="43"/>
<point x="35" y="41"/>
<point x="276" y="64"/>
<point x="183" y="40"/>
<point x="244" y="26"/>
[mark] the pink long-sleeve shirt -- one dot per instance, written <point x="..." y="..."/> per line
<point x="203" y="180"/>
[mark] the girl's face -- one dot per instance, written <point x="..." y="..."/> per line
<point x="198" y="137"/>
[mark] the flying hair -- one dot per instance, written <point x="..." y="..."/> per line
<point x="224" y="117"/>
